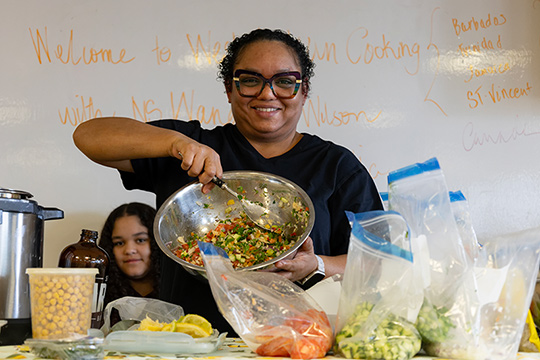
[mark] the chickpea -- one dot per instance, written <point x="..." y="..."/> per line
<point x="60" y="304"/>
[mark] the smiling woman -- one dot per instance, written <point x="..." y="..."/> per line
<point x="266" y="75"/>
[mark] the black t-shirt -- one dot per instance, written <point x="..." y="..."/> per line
<point x="331" y="175"/>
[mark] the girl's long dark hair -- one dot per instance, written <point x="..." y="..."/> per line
<point x="118" y="284"/>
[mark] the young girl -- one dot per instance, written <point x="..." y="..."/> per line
<point x="128" y="238"/>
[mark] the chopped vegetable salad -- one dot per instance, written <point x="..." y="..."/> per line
<point x="245" y="243"/>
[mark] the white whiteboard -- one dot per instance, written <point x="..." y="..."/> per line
<point x="397" y="82"/>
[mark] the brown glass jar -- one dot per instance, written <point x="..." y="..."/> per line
<point x="87" y="254"/>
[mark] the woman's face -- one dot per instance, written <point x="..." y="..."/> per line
<point x="131" y="247"/>
<point x="266" y="117"/>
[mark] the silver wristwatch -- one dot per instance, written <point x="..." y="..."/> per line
<point x="314" y="277"/>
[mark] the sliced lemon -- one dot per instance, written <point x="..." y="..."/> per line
<point x="148" y="324"/>
<point x="197" y="320"/>
<point x="191" y="329"/>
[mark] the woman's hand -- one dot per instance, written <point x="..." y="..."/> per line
<point x="198" y="160"/>
<point x="303" y="263"/>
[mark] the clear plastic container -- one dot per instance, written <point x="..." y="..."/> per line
<point x="157" y="342"/>
<point x="60" y="301"/>
<point x="85" y="348"/>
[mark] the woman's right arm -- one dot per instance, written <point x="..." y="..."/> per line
<point x="114" y="141"/>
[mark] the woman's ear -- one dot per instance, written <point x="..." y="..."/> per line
<point x="305" y="91"/>
<point x="228" y="91"/>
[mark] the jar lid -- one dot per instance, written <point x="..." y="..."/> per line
<point x="14" y="194"/>
<point x="62" y="271"/>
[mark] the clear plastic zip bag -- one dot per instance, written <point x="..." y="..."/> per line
<point x="419" y="192"/>
<point x="460" y="209"/>
<point x="271" y="314"/>
<point x="381" y="295"/>
<point x="474" y="306"/>
<point x="505" y="275"/>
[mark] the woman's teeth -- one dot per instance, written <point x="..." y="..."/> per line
<point x="266" y="109"/>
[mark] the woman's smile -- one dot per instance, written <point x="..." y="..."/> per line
<point x="264" y="109"/>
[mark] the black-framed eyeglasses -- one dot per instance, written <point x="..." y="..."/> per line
<point x="283" y="85"/>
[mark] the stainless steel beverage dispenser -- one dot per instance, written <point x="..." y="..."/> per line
<point x="21" y="247"/>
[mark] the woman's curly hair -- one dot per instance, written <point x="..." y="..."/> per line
<point x="235" y="48"/>
<point x="118" y="284"/>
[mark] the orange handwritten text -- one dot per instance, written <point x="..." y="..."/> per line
<point x="328" y="52"/>
<point x="472" y="138"/>
<point x="374" y="172"/>
<point x="163" y="54"/>
<point x="142" y="110"/>
<point x="88" y="55"/>
<point x="338" y="118"/>
<point x="146" y="110"/>
<point x="206" y="117"/>
<point x="477" y="48"/>
<point x="474" y="24"/>
<point x="380" y="51"/>
<point x="210" y="53"/>
<point x="76" y="115"/>
<point x="496" y="94"/>
<point x="433" y="46"/>
<point x="487" y="70"/>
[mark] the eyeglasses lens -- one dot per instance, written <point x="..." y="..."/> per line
<point x="283" y="86"/>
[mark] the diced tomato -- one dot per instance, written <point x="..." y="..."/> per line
<point x="300" y="337"/>
<point x="300" y="325"/>
<point x="319" y="317"/>
<point x="278" y="346"/>
<point x="307" y="348"/>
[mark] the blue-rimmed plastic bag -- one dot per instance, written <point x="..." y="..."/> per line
<point x="380" y="295"/>
<point x="474" y="308"/>
<point x="419" y="193"/>
<point x="271" y="314"/>
<point x="505" y="275"/>
<point x="460" y="209"/>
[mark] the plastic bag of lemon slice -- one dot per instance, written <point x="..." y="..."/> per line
<point x="158" y="327"/>
<point x="137" y="309"/>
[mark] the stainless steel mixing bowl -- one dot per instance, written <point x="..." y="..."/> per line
<point x="189" y="210"/>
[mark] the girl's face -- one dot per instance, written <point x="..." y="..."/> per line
<point x="266" y="117"/>
<point x="131" y="247"/>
